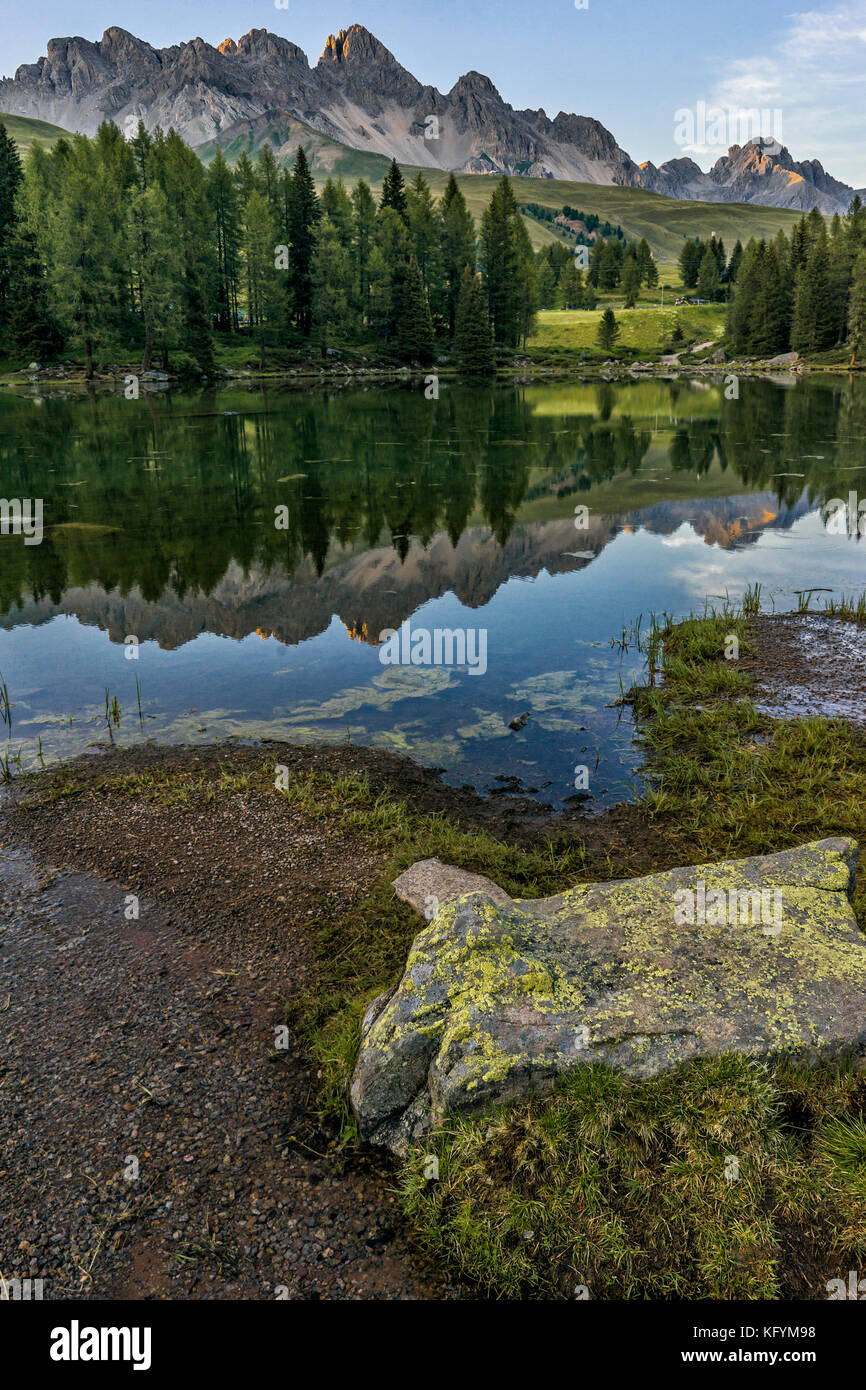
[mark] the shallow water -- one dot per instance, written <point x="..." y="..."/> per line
<point x="458" y="513"/>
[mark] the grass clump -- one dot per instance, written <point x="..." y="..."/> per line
<point x="726" y="1178"/>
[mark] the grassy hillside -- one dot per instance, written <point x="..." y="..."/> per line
<point x="284" y="133"/>
<point x="645" y="329"/>
<point x="665" y="222"/>
<point x="26" y="132"/>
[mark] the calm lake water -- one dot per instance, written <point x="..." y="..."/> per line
<point x="458" y="513"/>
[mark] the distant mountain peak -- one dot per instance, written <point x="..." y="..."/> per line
<point x="360" y="96"/>
<point x="355" y="45"/>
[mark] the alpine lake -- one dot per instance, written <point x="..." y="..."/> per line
<point x="266" y="563"/>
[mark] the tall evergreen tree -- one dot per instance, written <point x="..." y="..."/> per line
<point x="363" y="248"/>
<point x="473" y="342"/>
<point x="303" y="215"/>
<point x="813" y="328"/>
<point x="11" y="176"/>
<point x="394" y="191"/>
<point x="506" y="265"/>
<point x="413" y="338"/>
<point x="222" y="193"/>
<point x="458" y="248"/>
<point x="30" y="326"/>
<point x="608" y="330"/>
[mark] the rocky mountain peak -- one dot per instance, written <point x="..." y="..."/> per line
<point x="355" y="45"/>
<point x="474" y="84"/>
<point x="359" y="95"/>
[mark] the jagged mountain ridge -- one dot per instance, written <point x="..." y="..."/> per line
<point x="359" y="95"/>
<point x="376" y="589"/>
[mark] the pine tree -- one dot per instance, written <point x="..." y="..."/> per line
<point x="857" y="309"/>
<point x="30" y="327"/>
<point x="507" y="267"/>
<point x="302" y="214"/>
<point x="263" y="288"/>
<point x="608" y="331"/>
<point x="424" y="231"/>
<point x="458" y="248"/>
<point x="363" y="247"/>
<point x="733" y="266"/>
<point x="337" y="207"/>
<point x="413" y="339"/>
<point x="709" y="281"/>
<point x="11" y="176"/>
<point x="645" y="260"/>
<point x="571" y="287"/>
<point x="157" y="267"/>
<point x="546" y="280"/>
<point x="222" y="196"/>
<point x="332" y="281"/>
<point x="394" y="191"/>
<point x="690" y="262"/>
<point x="630" y="279"/>
<point x="770" y="325"/>
<point x="742" y="306"/>
<point x="813" y="326"/>
<point x="473" y="342"/>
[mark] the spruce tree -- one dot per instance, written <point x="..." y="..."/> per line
<point x="709" y="281"/>
<point x="733" y="266"/>
<point x="394" y="191"/>
<point x="630" y="279"/>
<point x="413" y="339"/>
<point x="302" y="216"/>
<point x="608" y="331"/>
<point x="507" y="267"/>
<point x="571" y="287"/>
<point x="11" y="175"/>
<point x="813" y="327"/>
<point x="690" y="262"/>
<point x="857" y="309"/>
<point x="363" y="247"/>
<point x="222" y="194"/>
<point x="458" y="247"/>
<point x="473" y="342"/>
<point x="31" y="328"/>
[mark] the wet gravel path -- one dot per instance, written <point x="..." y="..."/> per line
<point x="154" y="1142"/>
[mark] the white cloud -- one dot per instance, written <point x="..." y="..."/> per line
<point x="816" y="76"/>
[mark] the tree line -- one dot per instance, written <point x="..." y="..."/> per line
<point x="804" y="293"/>
<point x="111" y="247"/>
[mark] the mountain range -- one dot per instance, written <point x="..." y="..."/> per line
<point x="359" y="97"/>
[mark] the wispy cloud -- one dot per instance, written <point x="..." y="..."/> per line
<point x="816" y="76"/>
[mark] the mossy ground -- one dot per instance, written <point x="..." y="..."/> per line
<point x="626" y="1188"/>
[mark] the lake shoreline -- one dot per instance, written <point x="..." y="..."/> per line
<point x="520" y="373"/>
<point x="202" y="942"/>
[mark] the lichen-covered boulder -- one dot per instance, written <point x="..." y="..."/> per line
<point x="501" y="997"/>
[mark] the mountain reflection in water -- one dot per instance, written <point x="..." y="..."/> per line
<point x="460" y="512"/>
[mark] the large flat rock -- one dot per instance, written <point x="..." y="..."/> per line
<point x="500" y="997"/>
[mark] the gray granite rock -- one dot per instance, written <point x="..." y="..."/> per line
<point x="501" y="997"/>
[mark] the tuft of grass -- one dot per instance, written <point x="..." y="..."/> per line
<point x="692" y="1185"/>
<point x="851" y="609"/>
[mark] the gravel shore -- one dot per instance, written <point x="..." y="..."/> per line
<point x="155" y="1140"/>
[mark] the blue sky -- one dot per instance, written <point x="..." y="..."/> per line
<point x="630" y="63"/>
